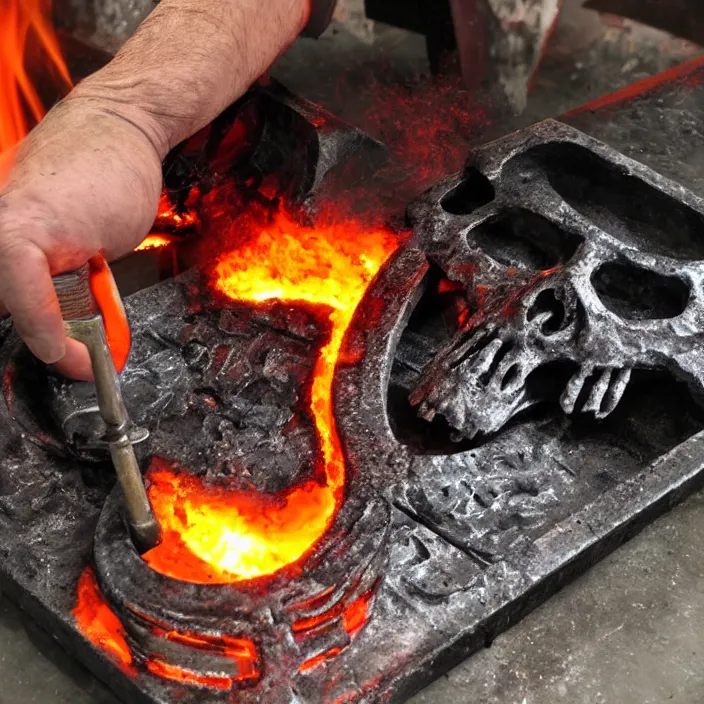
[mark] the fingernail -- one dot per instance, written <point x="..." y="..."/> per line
<point x="48" y="348"/>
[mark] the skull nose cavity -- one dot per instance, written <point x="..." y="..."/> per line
<point x="548" y="312"/>
<point x="635" y="293"/>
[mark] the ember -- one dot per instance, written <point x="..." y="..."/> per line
<point x="236" y="535"/>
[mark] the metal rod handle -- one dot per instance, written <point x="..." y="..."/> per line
<point x="83" y="323"/>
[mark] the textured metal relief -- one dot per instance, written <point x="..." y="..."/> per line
<point x="503" y="398"/>
<point x="579" y="265"/>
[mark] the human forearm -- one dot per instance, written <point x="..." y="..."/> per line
<point x="88" y="178"/>
<point x="189" y="60"/>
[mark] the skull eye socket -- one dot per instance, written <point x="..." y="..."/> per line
<point x="634" y="293"/>
<point x="524" y="240"/>
<point x="621" y="204"/>
<point x="473" y="192"/>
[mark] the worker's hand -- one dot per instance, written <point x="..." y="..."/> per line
<point x="87" y="179"/>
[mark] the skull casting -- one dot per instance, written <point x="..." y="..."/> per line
<point x="576" y="272"/>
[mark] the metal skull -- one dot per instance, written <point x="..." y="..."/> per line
<point x="578" y="264"/>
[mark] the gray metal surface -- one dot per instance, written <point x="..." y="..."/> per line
<point x="576" y="263"/>
<point x="626" y="473"/>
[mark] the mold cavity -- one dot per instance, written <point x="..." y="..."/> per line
<point x="634" y="293"/>
<point x="432" y="325"/>
<point x="622" y="205"/>
<point x="547" y="302"/>
<point x="474" y="191"/>
<point x="524" y="240"/>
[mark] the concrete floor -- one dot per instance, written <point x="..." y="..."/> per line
<point x="631" y="631"/>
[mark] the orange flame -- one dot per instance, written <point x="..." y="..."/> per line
<point x="215" y="535"/>
<point x="26" y="37"/>
<point x="154" y="242"/>
<point x="168" y="218"/>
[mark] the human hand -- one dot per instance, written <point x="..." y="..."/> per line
<point x="86" y="180"/>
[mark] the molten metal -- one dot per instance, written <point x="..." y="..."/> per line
<point x="212" y="534"/>
<point x="98" y="623"/>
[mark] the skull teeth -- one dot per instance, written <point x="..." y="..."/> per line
<point x="607" y="387"/>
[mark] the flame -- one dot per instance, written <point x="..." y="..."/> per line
<point x="212" y="534"/>
<point x="26" y="37"/>
<point x="169" y="219"/>
<point x="154" y="242"/>
<point x="98" y="623"/>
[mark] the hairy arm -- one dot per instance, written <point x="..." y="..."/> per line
<point x="191" y="58"/>
<point x="88" y="178"/>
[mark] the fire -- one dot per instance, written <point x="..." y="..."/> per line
<point x="168" y="220"/>
<point x="26" y="39"/>
<point x="154" y="242"/>
<point x="215" y="535"/>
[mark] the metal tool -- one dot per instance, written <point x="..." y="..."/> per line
<point x="84" y="323"/>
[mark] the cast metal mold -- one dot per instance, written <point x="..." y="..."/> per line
<point x="479" y="534"/>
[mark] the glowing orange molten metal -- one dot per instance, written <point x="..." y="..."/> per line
<point x="98" y="623"/>
<point x="212" y="534"/>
